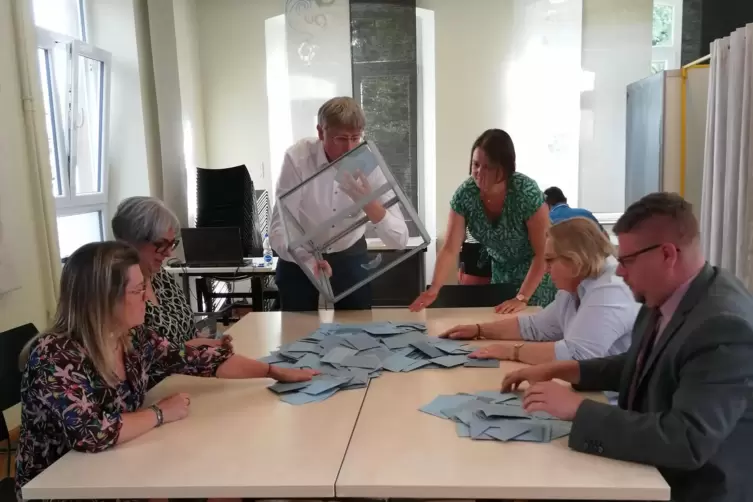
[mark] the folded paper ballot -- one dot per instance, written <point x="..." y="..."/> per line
<point x="492" y="415"/>
<point x="349" y="355"/>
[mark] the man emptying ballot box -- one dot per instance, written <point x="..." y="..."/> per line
<point x="344" y="261"/>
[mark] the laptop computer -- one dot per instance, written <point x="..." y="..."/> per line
<point x="212" y="247"/>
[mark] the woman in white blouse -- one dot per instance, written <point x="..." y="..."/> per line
<point x="591" y="316"/>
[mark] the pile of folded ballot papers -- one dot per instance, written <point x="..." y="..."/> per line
<point x="349" y="355"/>
<point x="492" y="415"/>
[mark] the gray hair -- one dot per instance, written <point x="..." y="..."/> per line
<point x="143" y="219"/>
<point x="342" y="112"/>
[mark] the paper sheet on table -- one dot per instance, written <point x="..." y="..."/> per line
<point x="482" y="363"/>
<point x="281" y="388"/>
<point x="298" y="398"/>
<point x="353" y="354"/>
<point x="427" y="349"/>
<point x="450" y="361"/>
<point x="337" y="354"/>
<point x="325" y="384"/>
<point x="492" y="415"/>
<point x="443" y="402"/>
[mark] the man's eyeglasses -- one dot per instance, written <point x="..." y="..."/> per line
<point x="163" y="246"/>
<point x="630" y="258"/>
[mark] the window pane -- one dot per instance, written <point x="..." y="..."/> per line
<point x="88" y="124"/>
<point x="49" y="115"/>
<point x="76" y="230"/>
<point x="663" y="25"/>
<point x="60" y="16"/>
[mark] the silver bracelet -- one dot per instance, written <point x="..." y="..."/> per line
<point x="157" y="411"/>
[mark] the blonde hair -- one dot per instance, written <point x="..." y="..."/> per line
<point x="581" y="242"/>
<point x="342" y="112"/>
<point x="92" y="284"/>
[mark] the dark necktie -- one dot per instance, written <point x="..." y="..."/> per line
<point x="647" y="343"/>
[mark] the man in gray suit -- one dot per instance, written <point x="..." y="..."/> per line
<point x="686" y="384"/>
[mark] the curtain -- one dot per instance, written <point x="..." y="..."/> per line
<point x="39" y="164"/>
<point x="728" y="163"/>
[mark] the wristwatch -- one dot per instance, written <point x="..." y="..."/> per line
<point x="521" y="298"/>
<point x="516" y="351"/>
<point x="157" y="411"/>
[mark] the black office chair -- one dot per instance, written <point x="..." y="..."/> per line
<point x="484" y="295"/>
<point x="8" y="490"/>
<point x="11" y="344"/>
<point x="470" y="256"/>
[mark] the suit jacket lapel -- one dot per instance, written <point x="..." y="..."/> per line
<point x="640" y="332"/>
<point x="695" y="292"/>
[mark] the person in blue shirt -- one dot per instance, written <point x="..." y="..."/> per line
<point x="560" y="211"/>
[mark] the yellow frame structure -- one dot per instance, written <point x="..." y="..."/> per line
<point x="698" y="63"/>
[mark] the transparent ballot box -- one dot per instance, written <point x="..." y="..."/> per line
<point x="352" y="186"/>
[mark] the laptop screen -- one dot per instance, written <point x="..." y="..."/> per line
<point x="210" y="245"/>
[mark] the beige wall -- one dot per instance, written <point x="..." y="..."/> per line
<point x="234" y="86"/>
<point x="189" y="77"/>
<point x="112" y="27"/>
<point x="471" y="44"/>
<point x="617" y="50"/>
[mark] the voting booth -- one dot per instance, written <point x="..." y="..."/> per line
<point x="364" y="176"/>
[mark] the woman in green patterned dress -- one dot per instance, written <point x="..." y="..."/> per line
<point x="506" y="213"/>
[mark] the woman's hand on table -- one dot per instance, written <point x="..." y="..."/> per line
<point x="424" y="300"/>
<point x="510" y="306"/>
<point x="462" y="332"/>
<point x="501" y="351"/>
<point x="175" y="407"/>
<point x="292" y="374"/>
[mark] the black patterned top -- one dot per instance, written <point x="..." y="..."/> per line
<point x="66" y="404"/>
<point x="172" y="319"/>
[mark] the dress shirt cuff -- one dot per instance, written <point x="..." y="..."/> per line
<point x="390" y="229"/>
<point x="562" y="351"/>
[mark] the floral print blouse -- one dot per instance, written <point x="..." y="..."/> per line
<point x="66" y="404"/>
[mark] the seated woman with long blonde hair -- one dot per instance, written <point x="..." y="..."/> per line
<point x="85" y="379"/>
<point x="592" y="314"/>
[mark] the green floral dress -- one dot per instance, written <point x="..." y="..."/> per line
<point x="506" y="240"/>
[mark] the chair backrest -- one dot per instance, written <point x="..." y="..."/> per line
<point x="485" y="295"/>
<point x="470" y="254"/>
<point x="263" y="210"/>
<point x="11" y="344"/>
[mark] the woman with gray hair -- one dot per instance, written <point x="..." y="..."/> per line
<point x="148" y="225"/>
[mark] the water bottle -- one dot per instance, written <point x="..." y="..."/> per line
<point x="267" y="251"/>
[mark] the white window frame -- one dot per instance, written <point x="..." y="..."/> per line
<point x="70" y="203"/>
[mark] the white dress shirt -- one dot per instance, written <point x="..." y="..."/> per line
<point x="321" y="198"/>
